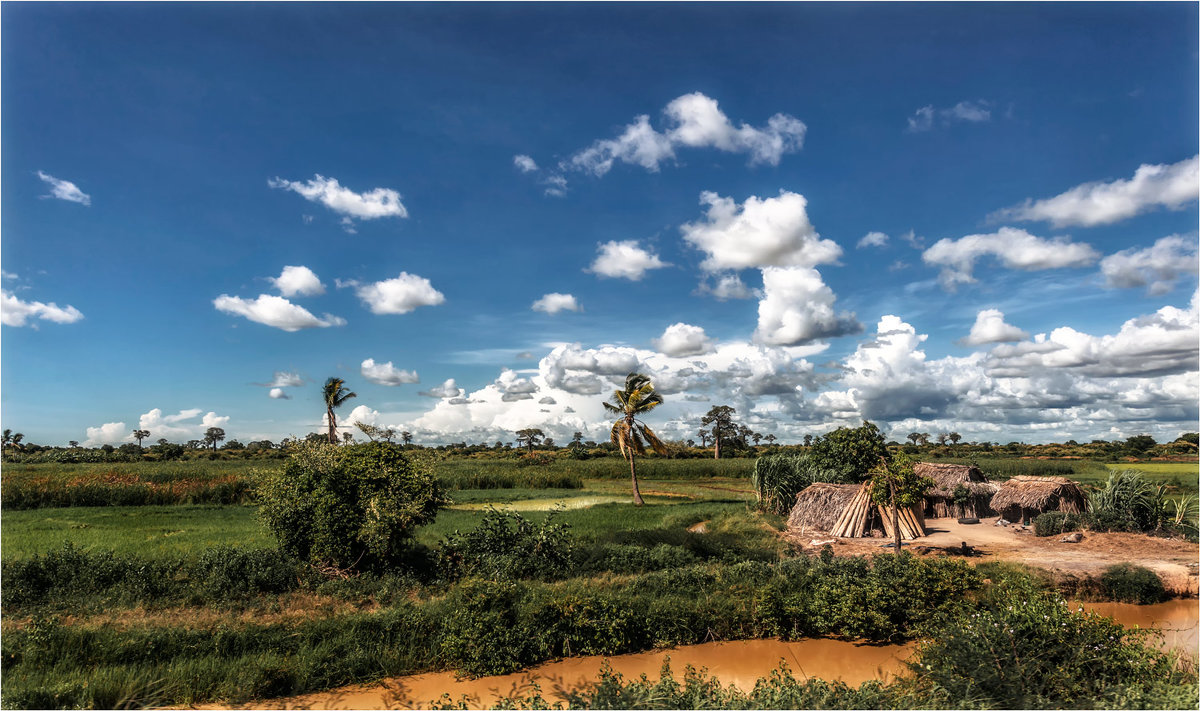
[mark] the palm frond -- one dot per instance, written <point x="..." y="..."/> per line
<point x="620" y="435"/>
<point x="652" y="438"/>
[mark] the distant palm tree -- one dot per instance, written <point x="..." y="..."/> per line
<point x="335" y="394"/>
<point x="628" y="433"/>
<point x="140" y="435"/>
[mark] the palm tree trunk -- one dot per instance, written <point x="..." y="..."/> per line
<point x="637" y="495"/>
<point x="332" y="426"/>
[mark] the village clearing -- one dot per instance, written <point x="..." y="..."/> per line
<point x="1175" y="561"/>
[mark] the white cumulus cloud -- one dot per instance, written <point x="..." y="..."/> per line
<point x="873" y="239"/>
<point x="770" y="232"/>
<point x="1100" y="203"/>
<point x="990" y="328"/>
<point x="555" y="302"/>
<point x="681" y="339"/>
<point x="387" y="374"/>
<point x="693" y="121"/>
<point x="278" y="394"/>
<point x="399" y="295"/>
<point x="64" y="190"/>
<point x="107" y="433"/>
<point x="15" y="312"/>
<point x="625" y="260"/>
<point x="728" y="286"/>
<point x="1015" y="248"/>
<point x="797" y="308"/>
<point x="369" y="205"/>
<point x="525" y="164"/>
<point x="298" y="281"/>
<point x="275" y="311"/>
<point x="448" y="389"/>
<point x="1157" y="267"/>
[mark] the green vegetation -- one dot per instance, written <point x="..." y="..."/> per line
<point x="1125" y="582"/>
<point x="342" y="507"/>
<point x="630" y="434"/>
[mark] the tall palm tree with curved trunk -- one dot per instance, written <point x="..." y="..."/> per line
<point x="628" y="433"/>
<point x="335" y="393"/>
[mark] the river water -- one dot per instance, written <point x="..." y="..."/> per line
<point x="739" y="663"/>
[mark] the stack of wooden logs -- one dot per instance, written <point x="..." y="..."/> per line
<point x="912" y="525"/>
<point x="855" y="520"/>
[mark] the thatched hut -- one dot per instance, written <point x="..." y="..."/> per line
<point x="948" y="481"/>
<point x="1023" y="497"/>
<point x="845" y="510"/>
<point x="819" y="505"/>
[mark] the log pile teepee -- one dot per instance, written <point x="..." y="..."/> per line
<point x="856" y="519"/>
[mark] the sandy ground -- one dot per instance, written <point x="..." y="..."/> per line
<point x="1177" y="562"/>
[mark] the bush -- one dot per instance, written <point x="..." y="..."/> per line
<point x="1053" y="523"/>
<point x="1126" y="582"/>
<point x="847" y="454"/>
<point x="348" y="507"/>
<point x="1128" y="501"/>
<point x="507" y="546"/>
<point x="1033" y="651"/>
<point x="777" y="479"/>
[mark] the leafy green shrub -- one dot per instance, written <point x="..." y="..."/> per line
<point x="778" y="478"/>
<point x="1033" y="651"/>
<point x="224" y="572"/>
<point x="506" y="545"/>
<point x="348" y="507"/>
<point x="848" y="453"/>
<point x="1128" y="501"/>
<point x="1126" y="582"/>
<point x="1053" y="523"/>
<point x="482" y="631"/>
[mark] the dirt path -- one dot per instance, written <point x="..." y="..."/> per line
<point x="1177" y="562"/>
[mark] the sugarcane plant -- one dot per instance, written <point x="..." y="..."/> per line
<point x="630" y="434"/>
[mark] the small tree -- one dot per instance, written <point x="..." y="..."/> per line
<point x="213" y="435"/>
<point x="335" y="393"/>
<point x="849" y="453"/>
<point x="530" y="437"/>
<point x="73" y="444"/>
<point x="894" y="484"/>
<point x="140" y="435"/>
<point x="954" y="437"/>
<point x="344" y="509"/>
<point x="405" y="437"/>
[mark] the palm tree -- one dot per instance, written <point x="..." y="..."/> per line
<point x="140" y="435"/>
<point x="335" y="394"/>
<point x="628" y="433"/>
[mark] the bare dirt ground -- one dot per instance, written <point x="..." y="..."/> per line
<point x="1177" y="562"/>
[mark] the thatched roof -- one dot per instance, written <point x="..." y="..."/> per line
<point x="818" y="505"/>
<point x="947" y="477"/>
<point x="1041" y="493"/>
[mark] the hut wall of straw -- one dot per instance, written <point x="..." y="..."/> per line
<point x="1023" y="497"/>
<point x="939" y="501"/>
<point x="819" y="505"/>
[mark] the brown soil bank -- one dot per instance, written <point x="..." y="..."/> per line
<point x="1175" y="561"/>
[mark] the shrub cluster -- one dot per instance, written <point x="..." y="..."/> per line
<point x="1054" y="523"/>
<point x="507" y="546"/>
<point x="1126" y="582"/>
<point x="122" y="491"/>
<point x="69" y="574"/>
<point x="350" y="507"/>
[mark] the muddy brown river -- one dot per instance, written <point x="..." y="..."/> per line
<point x="739" y="663"/>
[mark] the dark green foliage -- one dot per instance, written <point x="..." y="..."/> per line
<point x="1128" y="501"/>
<point x="1034" y="651"/>
<point x="349" y="507"/>
<point x="1054" y="523"/>
<point x="1139" y="443"/>
<point x="848" y="453"/>
<point x="506" y="545"/>
<point x="69" y="574"/>
<point x="778" y="478"/>
<point x="1126" y="582"/>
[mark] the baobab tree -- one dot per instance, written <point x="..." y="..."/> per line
<point x="213" y="435"/>
<point x="530" y="437"/>
<point x="721" y="419"/>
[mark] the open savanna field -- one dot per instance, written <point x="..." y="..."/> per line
<point x="158" y="583"/>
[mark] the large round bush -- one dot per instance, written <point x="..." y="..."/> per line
<point x="348" y="507"/>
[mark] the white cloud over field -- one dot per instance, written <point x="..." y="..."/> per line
<point x="275" y="311"/>
<point x="1014" y="248"/>
<point x="400" y="295"/>
<point x="369" y="205"/>
<point x="1157" y="267"/>
<point x="298" y="281"/>
<point x="1099" y="203"/>
<point x="555" y="302"/>
<point x="64" y="190"/>
<point x="16" y="312"/>
<point x="387" y="374"/>
<point x="624" y="259"/>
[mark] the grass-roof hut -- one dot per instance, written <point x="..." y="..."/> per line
<point x="1023" y="497"/>
<point x="819" y="505"/>
<point x="949" y="480"/>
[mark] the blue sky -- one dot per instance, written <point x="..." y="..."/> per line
<point x="980" y="218"/>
